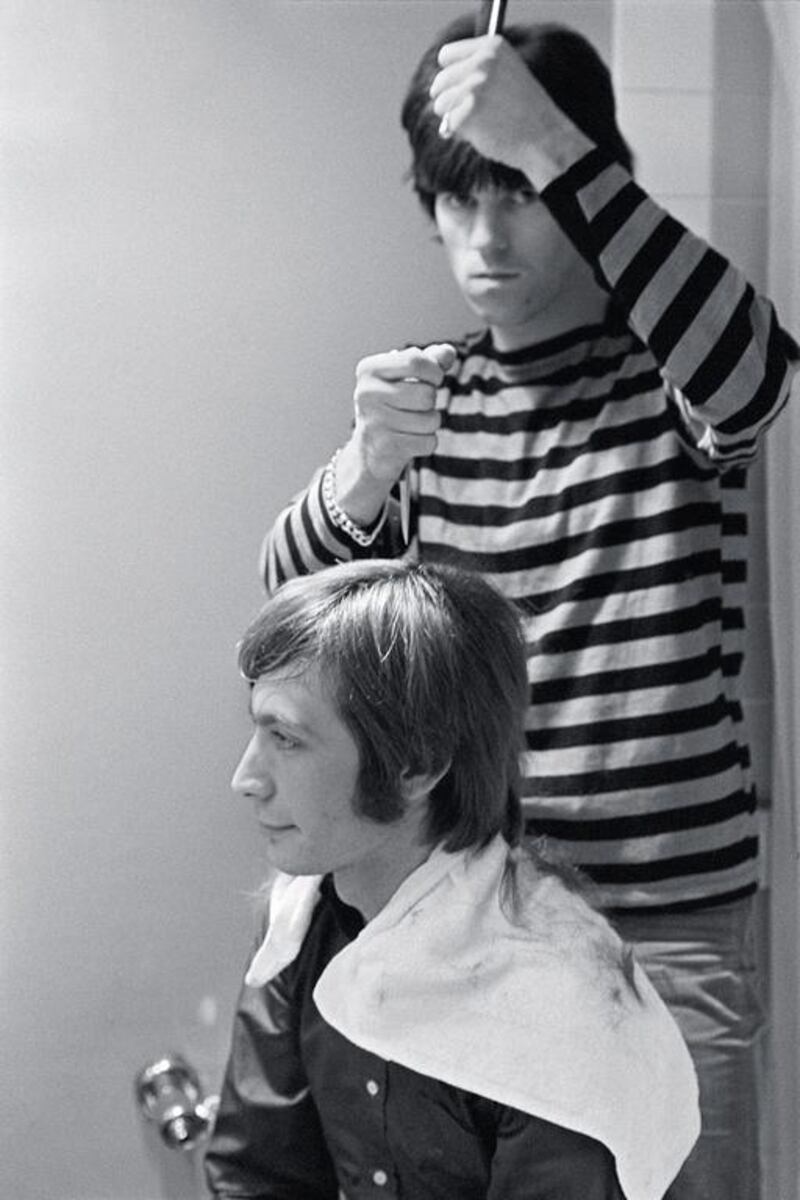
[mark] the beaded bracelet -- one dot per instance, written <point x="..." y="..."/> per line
<point x="339" y="517"/>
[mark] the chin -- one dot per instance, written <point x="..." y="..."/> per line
<point x="295" y="864"/>
<point x="290" y="864"/>
<point x="499" y="313"/>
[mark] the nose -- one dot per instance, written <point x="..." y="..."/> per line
<point x="252" y="779"/>
<point x="488" y="229"/>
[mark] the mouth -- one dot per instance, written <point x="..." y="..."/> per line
<point x="275" y="829"/>
<point x="494" y="276"/>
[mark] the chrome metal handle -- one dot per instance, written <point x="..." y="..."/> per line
<point x="168" y="1092"/>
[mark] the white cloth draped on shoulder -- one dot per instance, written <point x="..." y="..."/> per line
<point x="528" y="1006"/>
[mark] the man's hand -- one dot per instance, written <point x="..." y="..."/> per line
<point x="486" y="94"/>
<point x="395" y="421"/>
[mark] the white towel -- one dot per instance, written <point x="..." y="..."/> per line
<point x="530" y="1011"/>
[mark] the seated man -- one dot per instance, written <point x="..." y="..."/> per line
<point x="434" y="1012"/>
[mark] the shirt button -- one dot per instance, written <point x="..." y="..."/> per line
<point x="380" y="1177"/>
<point x="372" y="1087"/>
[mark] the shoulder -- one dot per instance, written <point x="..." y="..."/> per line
<point x="546" y="917"/>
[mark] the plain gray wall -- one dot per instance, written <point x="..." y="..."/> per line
<point x="204" y="226"/>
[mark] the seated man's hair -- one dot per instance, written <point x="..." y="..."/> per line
<point x="425" y="666"/>
<point x="567" y="66"/>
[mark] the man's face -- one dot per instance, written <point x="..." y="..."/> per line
<point x="301" y="771"/>
<point x="514" y="265"/>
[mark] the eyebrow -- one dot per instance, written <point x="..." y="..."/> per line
<point x="268" y="718"/>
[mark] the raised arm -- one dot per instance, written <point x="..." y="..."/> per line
<point x="722" y="351"/>
<point x="346" y="510"/>
<point x="719" y="344"/>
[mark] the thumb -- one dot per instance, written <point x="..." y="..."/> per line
<point x="442" y="353"/>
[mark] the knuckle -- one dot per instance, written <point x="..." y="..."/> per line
<point x="361" y="392"/>
<point x="365" y="364"/>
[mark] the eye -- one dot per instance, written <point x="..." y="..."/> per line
<point x="521" y="197"/>
<point x="458" y="203"/>
<point x="283" y="741"/>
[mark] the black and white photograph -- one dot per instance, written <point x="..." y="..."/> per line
<point x="400" y="599"/>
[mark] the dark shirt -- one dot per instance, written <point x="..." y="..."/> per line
<point x="304" y="1112"/>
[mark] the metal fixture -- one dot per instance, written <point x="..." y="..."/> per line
<point x="169" y="1093"/>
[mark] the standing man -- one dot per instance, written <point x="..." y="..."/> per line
<point x="433" y="1014"/>
<point x="586" y="450"/>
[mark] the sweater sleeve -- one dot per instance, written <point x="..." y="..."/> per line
<point x="304" y="539"/>
<point x="723" y="354"/>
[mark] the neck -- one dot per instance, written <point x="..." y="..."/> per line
<point x="586" y="304"/>
<point x="368" y="885"/>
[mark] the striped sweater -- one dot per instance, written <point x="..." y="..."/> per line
<point x="598" y="479"/>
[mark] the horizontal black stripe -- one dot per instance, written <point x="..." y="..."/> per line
<point x="662" y="724"/>
<point x="602" y="584"/>
<point x="742" y="454"/>
<point x="732" y="619"/>
<point x="679" y="314"/>
<point x="659" y="869"/>
<point x="732" y="665"/>
<point x="601" y="537"/>
<point x="735" y="478"/>
<point x="622" y="483"/>
<point x="532" y="374"/>
<point x="679" y="906"/>
<point x="734" y="524"/>
<point x="624" y="680"/>
<point x="533" y="418"/>
<point x="608" y="633"/>
<point x="631" y="433"/>
<point x="726" y="353"/>
<point x="481" y="345"/>
<point x="644" y="265"/>
<point x="734" y="571"/>
<point x="635" y="778"/>
<point x="643" y="825"/>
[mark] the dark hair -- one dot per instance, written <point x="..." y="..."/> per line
<point x="425" y="664"/>
<point x="567" y="66"/>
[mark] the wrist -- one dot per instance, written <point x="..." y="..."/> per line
<point x="554" y="152"/>
<point x="359" y="493"/>
<point x="361" y="530"/>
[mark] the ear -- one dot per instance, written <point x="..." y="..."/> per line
<point x="417" y="788"/>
